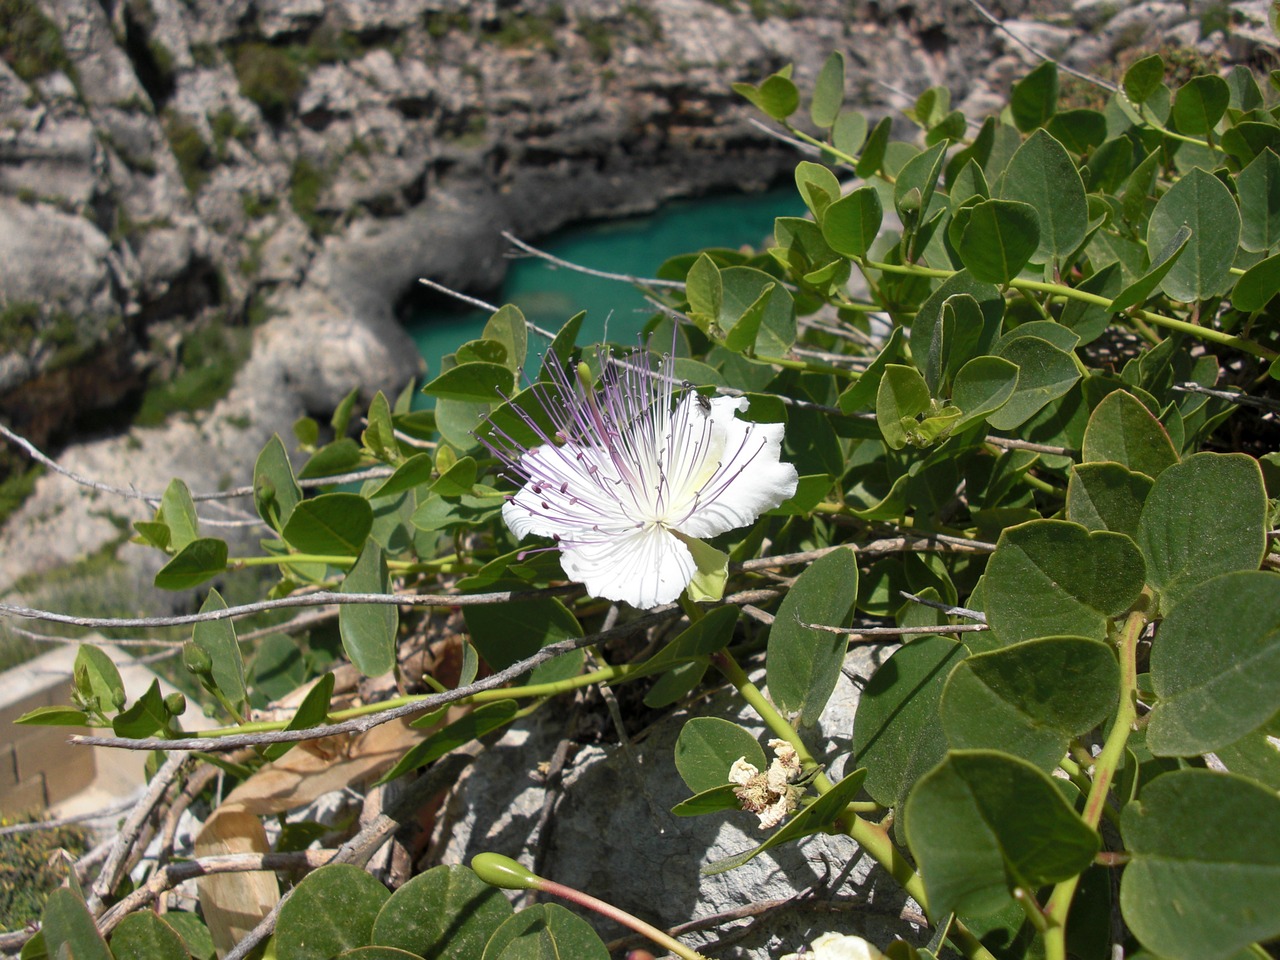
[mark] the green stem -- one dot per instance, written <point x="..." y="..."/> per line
<point x="871" y="837"/>
<point x="1070" y="293"/>
<point x="1104" y="771"/>
<point x="776" y="722"/>
<point x="618" y="915"/>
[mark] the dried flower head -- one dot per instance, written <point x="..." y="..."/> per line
<point x="632" y="478"/>
<point x="771" y="795"/>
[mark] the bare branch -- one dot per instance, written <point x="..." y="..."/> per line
<point x="996" y="22"/>
<point x="132" y="493"/>
<point x="481" y="304"/>
<point x="869" y="631"/>
<point x="319" y="598"/>
<point x="106" y="813"/>
<point x="109" y="876"/>
<point x="947" y="608"/>
<point x="578" y="268"/>
<point x="1242" y="399"/>
<point x="168" y="877"/>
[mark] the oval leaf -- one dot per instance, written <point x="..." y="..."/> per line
<point x="708" y="746"/>
<point x="1204" y="516"/>
<point x="1031" y="698"/>
<point x="1201" y="202"/>
<point x="447" y="913"/>
<point x="1215" y="665"/>
<point x="1050" y="578"/>
<point x="983" y="823"/>
<point x="803" y="663"/>
<point x="332" y="524"/>
<point x="1205" y="876"/>
<point x="369" y="629"/>
<point x="331" y="910"/>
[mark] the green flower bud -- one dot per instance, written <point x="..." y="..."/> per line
<point x="196" y="659"/>
<point x="500" y="871"/>
<point x="175" y="704"/>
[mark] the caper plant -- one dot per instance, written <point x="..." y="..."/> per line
<point x="1005" y="395"/>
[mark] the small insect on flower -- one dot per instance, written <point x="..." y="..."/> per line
<point x="629" y="479"/>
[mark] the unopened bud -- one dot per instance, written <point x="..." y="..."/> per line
<point x="196" y="659"/>
<point x="175" y="704"/>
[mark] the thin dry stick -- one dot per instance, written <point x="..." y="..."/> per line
<point x="871" y="631"/>
<point x="104" y="814"/>
<point x="132" y="493"/>
<point x="109" y="876"/>
<point x="476" y="302"/>
<point x="318" y="598"/>
<point x="996" y="22"/>
<point x="578" y="268"/>
<point x="1243" y="399"/>
<point x="947" y="608"/>
<point x="168" y="877"/>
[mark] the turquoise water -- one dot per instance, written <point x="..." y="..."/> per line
<point x="636" y="245"/>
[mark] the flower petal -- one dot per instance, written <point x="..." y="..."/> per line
<point x="749" y="478"/>
<point x="644" y="567"/>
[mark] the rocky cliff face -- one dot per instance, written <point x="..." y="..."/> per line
<point x="181" y="178"/>
<point x="171" y="171"/>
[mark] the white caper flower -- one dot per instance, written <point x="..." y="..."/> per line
<point x="631" y="480"/>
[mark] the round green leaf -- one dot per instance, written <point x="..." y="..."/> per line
<point x="708" y="746"/>
<point x="804" y="663"/>
<point x="1200" y="103"/>
<point x="1200" y="201"/>
<point x="1031" y="698"/>
<point x="1045" y="373"/>
<point x="902" y="397"/>
<point x="1204" y="516"/>
<point x="1042" y="174"/>
<point x="1259" y="284"/>
<point x="1080" y="131"/>
<point x="369" y="629"/>
<point x="1122" y="430"/>
<point x="1035" y="97"/>
<point x="1215" y="665"/>
<point x="1258" y="186"/>
<point x="331" y="910"/>
<point x="983" y="823"/>
<point x="1106" y="496"/>
<point x="447" y="913"/>
<point x="545" y="932"/>
<point x="742" y="288"/>
<point x="66" y="922"/>
<point x="1143" y="78"/>
<point x="145" y="936"/>
<point x="852" y="223"/>
<point x="849" y="132"/>
<point x="828" y="91"/>
<point x="1204" y="881"/>
<point x="198" y="561"/>
<point x="999" y="240"/>
<point x="473" y="382"/>
<point x="1052" y="578"/>
<point x="896" y="733"/>
<point x="332" y="524"/>
<point x="982" y="387"/>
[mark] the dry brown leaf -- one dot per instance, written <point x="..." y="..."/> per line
<point x="235" y="903"/>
